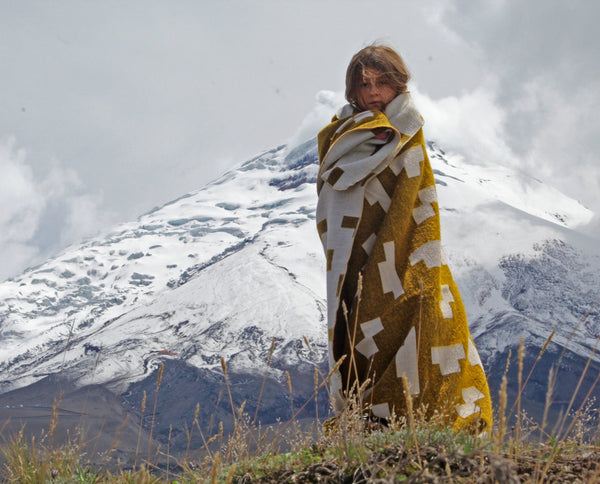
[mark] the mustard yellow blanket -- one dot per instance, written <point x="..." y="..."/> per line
<point x="378" y="218"/>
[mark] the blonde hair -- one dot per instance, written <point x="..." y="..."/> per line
<point x="381" y="58"/>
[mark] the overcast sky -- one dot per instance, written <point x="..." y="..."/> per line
<point x="110" y="108"/>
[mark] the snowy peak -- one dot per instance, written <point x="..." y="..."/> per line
<point x="77" y="295"/>
<point x="237" y="266"/>
<point x="488" y="184"/>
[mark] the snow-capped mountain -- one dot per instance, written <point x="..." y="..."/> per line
<point x="201" y="277"/>
<point x="225" y="272"/>
<point x="236" y="267"/>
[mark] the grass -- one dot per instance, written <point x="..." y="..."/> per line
<point x="348" y="449"/>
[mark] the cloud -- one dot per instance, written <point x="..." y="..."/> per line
<point x="472" y="124"/>
<point x="21" y="208"/>
<point x="545" y="98"/>
<point x="327" y="103"/>
<point x="40" y="214"/>
<point x="21" y="204"/>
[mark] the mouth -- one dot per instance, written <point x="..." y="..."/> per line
<point x="375" y="105"/>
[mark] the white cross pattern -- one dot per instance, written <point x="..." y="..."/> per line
<point x="381" y="410"/>
<point x="427" y="196"/>
<point x="410" y="160"/>
<point x="470" y="396"/>
<point x="367" y="346"/>
<point x="473" y="354"/>
<point x="430" y="253"/>
<point x="447" y="357"/>
<point x="390" y="281"/>
<point x="369" y="243"/>
<point x="407" y="362"/>
<point x="375" y="193"/>
<point x="447" y="298"/>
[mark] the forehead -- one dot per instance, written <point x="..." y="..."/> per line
<point x="371" y="73"/>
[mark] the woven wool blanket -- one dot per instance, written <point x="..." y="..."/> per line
<point x="394" y="309"/>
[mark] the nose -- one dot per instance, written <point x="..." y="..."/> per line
<point x="373" y="89"/>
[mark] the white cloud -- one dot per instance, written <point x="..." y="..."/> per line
<point x="40" y="215"/>
<point x="471" y="124"/>
<point x="542" y="108"/>
<point x="83" y="218"/>
<point x="327" y="103"/>
<point x="21" y="203"/>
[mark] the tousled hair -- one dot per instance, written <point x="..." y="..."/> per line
<point x="381" y="58"/>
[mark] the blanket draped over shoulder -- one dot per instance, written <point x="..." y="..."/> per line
<point x="394" y="309"/>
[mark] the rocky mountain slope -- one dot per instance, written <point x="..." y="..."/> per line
<point x="234" y="272"/>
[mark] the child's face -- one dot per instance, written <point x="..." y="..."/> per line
<point x="374" y="92"/>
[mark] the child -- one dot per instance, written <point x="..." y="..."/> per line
<point x="395" y="315"/>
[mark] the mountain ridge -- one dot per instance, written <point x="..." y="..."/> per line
<point x="227" y="271"/>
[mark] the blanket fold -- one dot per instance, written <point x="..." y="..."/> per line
<point x="378" y="220"/>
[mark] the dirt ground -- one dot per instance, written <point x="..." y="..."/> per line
<point x="431" y="465"/>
